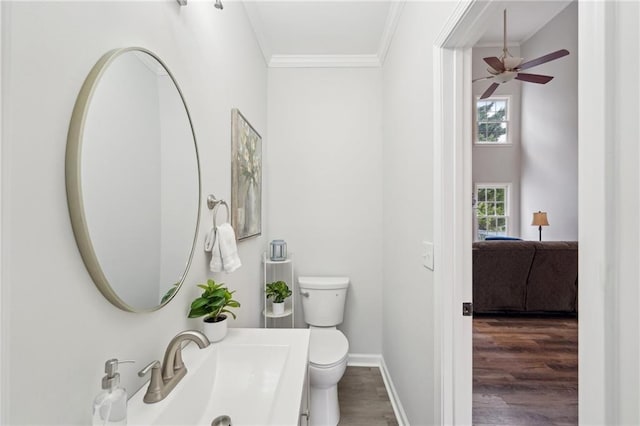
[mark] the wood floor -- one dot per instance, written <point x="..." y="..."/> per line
<point x="363" y="399"/>
<point x="525" y="371"/>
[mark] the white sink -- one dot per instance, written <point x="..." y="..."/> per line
<point x="255" y="376"/>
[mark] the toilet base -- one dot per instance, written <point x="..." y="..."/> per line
<point x="325" y="409"/>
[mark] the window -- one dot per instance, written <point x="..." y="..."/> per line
<point x="492" y="121"/>
<point x="492" y="210"/>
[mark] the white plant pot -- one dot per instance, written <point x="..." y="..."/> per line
<point x="215" y="331"/>
<point x="277" y="308"/>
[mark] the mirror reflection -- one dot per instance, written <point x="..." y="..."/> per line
<point x="139" y="182"/>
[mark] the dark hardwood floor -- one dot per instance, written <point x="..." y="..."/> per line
<point x="525" y="371"/>
<point x="363" y="399"/>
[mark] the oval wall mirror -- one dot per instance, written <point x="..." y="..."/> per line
<point x="133" y="180"/>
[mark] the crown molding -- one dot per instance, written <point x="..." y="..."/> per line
<point x="395" y="10"/>
<point x="324" y="61"/>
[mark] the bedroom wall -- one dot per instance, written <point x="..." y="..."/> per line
<point x="549" y="154"/>
<point x="499" y="163"/>
<point x="57" y="328"/>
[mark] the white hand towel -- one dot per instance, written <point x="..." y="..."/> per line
<point x="209" y="240"/>
<point x="226" y="238"/>
<point x="212" y="245"/>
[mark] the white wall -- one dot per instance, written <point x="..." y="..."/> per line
<point x="409" y="343"/>
<point x="59" y="328"/>
<point x="550" y="132"/>
<point x="499" y="163"/>
<point x="324" y="174"/>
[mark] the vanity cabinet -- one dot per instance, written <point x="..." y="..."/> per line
<point x="278" y="271"/>
<point x="305" y="403"/>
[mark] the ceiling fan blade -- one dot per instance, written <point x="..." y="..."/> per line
<point x="483" y="78"/>
<point x="489" y="91"/>
<point x="495" y="63"/>
<point x="543" y="59"/>
<point x="534" y="78"/>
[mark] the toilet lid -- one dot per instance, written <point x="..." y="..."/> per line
<point x="327" y="347"/>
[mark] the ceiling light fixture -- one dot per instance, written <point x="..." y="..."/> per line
<point x="507" y="67"/>
<point x="218" y="4"/>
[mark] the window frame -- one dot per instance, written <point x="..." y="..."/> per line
<point x="507" y="206"/>
<point x="507" y="120"/>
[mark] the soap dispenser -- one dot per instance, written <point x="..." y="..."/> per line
<point x="110" y="406"/>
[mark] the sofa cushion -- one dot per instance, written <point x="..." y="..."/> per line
<point x="503" y="239"/>
<point x="553" y="280"/>
<point x="500" y="271"/>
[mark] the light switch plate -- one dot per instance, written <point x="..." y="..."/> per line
<point x="427" y="254"/>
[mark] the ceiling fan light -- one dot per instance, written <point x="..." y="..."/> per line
<point x="511" y="62"/>
<point x="506" y="76"/>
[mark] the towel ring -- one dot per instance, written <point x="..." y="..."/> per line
<point x="215" y="211"/>
<point x="213" y="203"/>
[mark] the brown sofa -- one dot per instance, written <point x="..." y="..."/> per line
<point x="525" y="276"/>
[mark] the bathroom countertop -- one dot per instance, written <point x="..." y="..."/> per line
<point x="267" y="367"/>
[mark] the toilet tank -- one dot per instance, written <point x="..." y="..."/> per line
<point x="323" y="299"/>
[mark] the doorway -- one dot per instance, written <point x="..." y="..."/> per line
<point x="602" y="27"/>
<point x="524" y="164"/>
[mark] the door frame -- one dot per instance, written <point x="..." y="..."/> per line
<point x="453" y="192"/>
<point x="453" y="210"/>
<point x="4" y="305"/>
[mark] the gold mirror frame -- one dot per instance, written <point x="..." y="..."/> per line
<point x="73" y="170"/>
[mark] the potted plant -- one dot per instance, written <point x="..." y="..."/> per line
<point x="169" y="294"/>
<point x="213" y="304"/>
<point x="278" y="291"/>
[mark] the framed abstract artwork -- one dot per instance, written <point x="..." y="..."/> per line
<point x="246" y="177"/>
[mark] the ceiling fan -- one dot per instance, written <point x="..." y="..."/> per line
<point x="508" y="67"/>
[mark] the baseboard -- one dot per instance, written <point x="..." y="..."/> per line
<point x="376" y="360"/>
<point x="401" y="416"/>
<point x="364" y="360"/>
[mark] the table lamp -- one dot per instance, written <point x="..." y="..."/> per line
<point x="540" y="220"/>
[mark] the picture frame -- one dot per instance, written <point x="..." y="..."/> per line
<point x="246" y="177"/>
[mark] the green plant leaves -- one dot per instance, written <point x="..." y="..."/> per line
<point x="278" y="291"/>
<point x="199" y="302"/>
<point x="213" y="301"/>
<point x="169" y="294"/>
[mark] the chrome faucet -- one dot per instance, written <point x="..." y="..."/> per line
<point x="165" y="377"/>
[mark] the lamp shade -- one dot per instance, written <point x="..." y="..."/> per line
<point x="540" y="219"/>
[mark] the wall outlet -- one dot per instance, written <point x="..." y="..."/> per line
<point x="427" y="255"/>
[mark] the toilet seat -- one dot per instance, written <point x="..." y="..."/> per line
<point x="327" y="348"/>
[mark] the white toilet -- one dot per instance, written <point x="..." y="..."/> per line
<point x="323" y="307"/>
